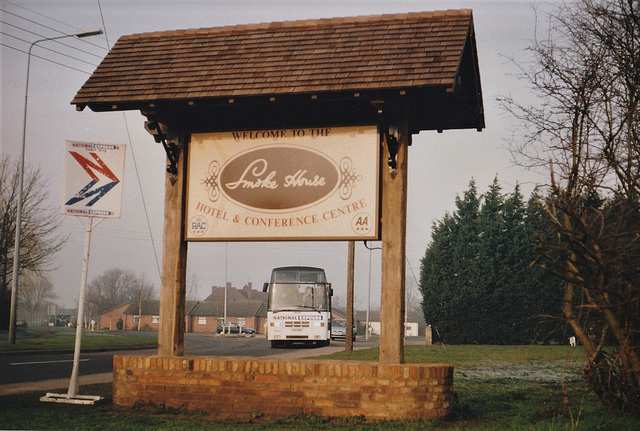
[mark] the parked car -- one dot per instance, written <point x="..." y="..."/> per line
<point x="21" y="323"/>
<point x="339" y="330"/>
<point x="234" y="328"/>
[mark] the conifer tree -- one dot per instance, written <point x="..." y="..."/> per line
<point x="477" y="281"/>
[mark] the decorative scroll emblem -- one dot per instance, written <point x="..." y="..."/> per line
<point x="349" y="178"/>
<point x="211" y="181"/>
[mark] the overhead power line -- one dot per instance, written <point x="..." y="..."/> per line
<point x="416" y="232"/>
<point x="40" y="14"/>
<point x="135" y="163"/>
<point x="44" y="58"/>
<point x="58" y="32"/>
<point x="18" y="29"/>
<point x="50" y="50"/>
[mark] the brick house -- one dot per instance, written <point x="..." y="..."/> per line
<point x="207" y="315"/>
<point x="149" y="316"/>
<point x="109" y="319"/>
<point x="200" y="316"/>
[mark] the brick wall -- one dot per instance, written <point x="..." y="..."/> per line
<point x="233" y="387"/>
<point x="110" y="319"/>
<point x="211" y="324"/>
<point x="146" y="323"/>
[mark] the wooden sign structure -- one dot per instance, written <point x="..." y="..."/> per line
<point x="399" y="73"/>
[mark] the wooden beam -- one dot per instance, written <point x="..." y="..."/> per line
<point x="394" y="223"/>
<point x="174" y="262"/>
<point x="348" y="344"/>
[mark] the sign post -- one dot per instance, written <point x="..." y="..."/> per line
<point x="103" y="166"/>
<point x="73" y="383"/>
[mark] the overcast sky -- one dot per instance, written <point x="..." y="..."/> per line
<point x="440" y="165"/>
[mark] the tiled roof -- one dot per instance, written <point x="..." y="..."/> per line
<point x="152" y="308"/>
<point x="236" y="309"/>
<point x="401" y="51"/>
<point x="218" y="294"/>
<point x="149" y="308"/>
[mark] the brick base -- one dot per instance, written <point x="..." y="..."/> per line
<point x="233" y="387"/>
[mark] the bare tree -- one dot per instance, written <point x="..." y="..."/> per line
<point x="40" y="240"/>
<point x="112" y="288"/>
<point x="116" y="287"/>
<point x="143" y="291"/>
<point x="586" y="128"/>
<point x="339" y="301"/>
<point x="193" y="287"/>
<point x="35" y="293"/>
<point x="413" y="296"/>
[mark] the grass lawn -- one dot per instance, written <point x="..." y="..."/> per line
<point x="496" y="388"/>
<point x="45" y="338"/>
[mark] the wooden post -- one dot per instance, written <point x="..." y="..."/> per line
<point x="428" y="335"/>
<point x="174" y="262"/>
<point x="394" y="216"/>
<point x="348" y="343"/>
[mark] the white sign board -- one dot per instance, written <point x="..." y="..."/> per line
<point x="93" y="174"/>
<point x="284" y="184"/>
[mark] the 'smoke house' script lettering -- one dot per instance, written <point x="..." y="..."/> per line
<point x="278" y="177"/>
<point x="253" y="177"/>
<point x="257" y="176"/>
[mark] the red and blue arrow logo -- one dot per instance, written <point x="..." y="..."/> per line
<point x="91" y="167"/>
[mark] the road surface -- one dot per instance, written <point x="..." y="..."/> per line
<point x="32" y="367"/>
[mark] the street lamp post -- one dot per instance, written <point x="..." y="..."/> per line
<point x="16" y="248"/>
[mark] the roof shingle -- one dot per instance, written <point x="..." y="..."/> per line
<point x="421" y="49"/>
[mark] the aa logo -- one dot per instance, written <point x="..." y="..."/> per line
<point x="362" y="224"/>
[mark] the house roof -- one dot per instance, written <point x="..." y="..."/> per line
<point x="152" y="308"/>
<point x="265" y="62"/>
<point x="236" y="309"/>
<point x="121" y="306"/>
<point x="204" y="308"/>
<point x="233" y="294"/>
<point x="255" y="295"/>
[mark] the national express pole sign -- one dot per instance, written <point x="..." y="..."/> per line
<point x="93" y="174"/>
<point x="284" y="184"/>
